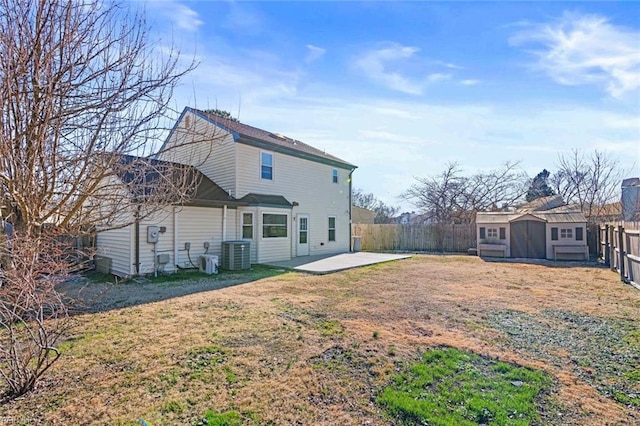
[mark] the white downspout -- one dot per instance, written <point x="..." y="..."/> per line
<point x="176" y="238"/>
<point x="224" y="223"/>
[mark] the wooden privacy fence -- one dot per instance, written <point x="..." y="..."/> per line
<point x="620" y="249"/>
<point x="428" y="238"/>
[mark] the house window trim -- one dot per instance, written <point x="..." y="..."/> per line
<point x="334" y="176"/>
<point x="262" y="152"/>
<point x="285" y="226"/>
<point x="252" y="225"/>
<point x="334" y="229"/>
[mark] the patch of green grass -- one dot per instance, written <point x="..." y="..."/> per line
<point x="454" y="387"/>
<point x="94" y="277"/>
<point x="227" y="418"/>
<point x="174" y="407"/>
<point x="256" y="272"/>
<point x="229" y="375"/>
<point x="329" y="328"/>
<point x="205" y="356"/>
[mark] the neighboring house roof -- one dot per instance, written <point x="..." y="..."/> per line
<point x="272" y="141"/>
<point x="265" y="200"/>
<point x="542" y="203"/>
<point x="141" y="175"/>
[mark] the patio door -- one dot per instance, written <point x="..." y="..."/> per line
<point x="302" y="246"/>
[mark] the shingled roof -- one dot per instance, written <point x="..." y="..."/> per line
<point x="141" y="175"/>
<point x="273" y="141"/>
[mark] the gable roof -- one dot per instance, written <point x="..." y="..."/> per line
<point x="141" y="174"/>
<point x="271" y="141"/>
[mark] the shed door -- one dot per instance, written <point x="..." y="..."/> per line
<point x="528" y="239"/>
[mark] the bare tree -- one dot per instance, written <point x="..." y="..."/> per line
<point x="451" y="197"/>
<point x="384" y="212"/>
<point x="591" y="181"/>
<point x="84" y="93"/>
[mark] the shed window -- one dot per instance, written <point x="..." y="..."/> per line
<point x="334" y="176"/>
<point x="503" y="233"/>
<point x="566" y="233"/>
<point x="266" y="165"/>
<point x="579" y="234"/>
<point x="554" y="234"/>
<point x="482" y="232"/>
<point x="332" y="228"/>
<point x="492" y="233"/>
<point x="274" y="225"/>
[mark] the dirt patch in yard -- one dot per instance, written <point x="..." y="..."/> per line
<point x="301" y="349"/>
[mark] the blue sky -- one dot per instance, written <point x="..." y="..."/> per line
<point x="402" y="88"/>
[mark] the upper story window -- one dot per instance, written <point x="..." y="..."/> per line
<point x="334" y="176"/>
<point x="266" y="165"/>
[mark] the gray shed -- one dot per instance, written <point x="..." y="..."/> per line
<point x="544" y="229"/>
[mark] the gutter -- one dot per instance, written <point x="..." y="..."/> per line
<point x="350" y="209"/>
<point x="136" y="263"/>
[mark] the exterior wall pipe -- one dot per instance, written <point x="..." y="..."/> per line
<point x="224" y="223"/>
<point x="136" y="249"/>
<point x="176" y="238"/>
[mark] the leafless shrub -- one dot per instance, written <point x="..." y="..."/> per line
<point x="33" y="315"/>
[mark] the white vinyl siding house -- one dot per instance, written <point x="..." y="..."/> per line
<point x="252" y="163"/>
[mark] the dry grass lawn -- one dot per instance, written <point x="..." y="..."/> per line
<point x="301" y="349"/>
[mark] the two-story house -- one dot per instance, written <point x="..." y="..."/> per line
<point x="284" y="197"/>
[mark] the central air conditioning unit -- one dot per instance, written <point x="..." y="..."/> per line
<point x="236" y="255"/>
<point x="209" y="264"/>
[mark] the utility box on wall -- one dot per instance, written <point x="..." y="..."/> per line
<point x="236" y="255"/>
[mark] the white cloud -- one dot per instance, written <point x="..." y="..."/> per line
<point x="375" y="64"/>
<point x="432" y="78"/>
<point x="586" y="49"/>
<point x="183" y="17"/>
<point x="314" y="53"/>
<point x="469" y="82"/>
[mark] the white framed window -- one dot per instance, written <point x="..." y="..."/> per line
<point x="334" y="176"/>
<point x="492" y="232"/>
<point x="274" y="225"/>
<point x="566" y="233"/>
<point x="247" y="226"/>
<point x="332" y="228"/>
<point x="266" y="165"/>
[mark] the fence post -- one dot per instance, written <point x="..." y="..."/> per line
<point x="607" y="253"/>
<point x="621" y="261"/>
<point x="612" y="249"/>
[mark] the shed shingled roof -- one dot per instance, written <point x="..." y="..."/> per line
<point x="274" y="139"/>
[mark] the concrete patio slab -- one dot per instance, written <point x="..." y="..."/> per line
<point x="326" y="264"/>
